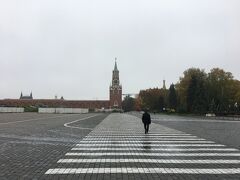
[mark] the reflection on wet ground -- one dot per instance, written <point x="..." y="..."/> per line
<point x="146" y="144"/>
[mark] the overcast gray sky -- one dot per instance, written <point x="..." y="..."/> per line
<point x="67" y="47"/>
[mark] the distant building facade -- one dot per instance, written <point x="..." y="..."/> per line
<point x="114" y="102"/>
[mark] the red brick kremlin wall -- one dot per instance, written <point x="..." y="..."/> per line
<point x="55" y="103"/>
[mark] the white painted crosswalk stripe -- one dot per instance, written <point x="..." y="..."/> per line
<point x="152" y="149"/>
<point x="149" y="145"/>
<point x="144" y="141"/>
<point x="153" y="154"/>
<point x="139" y="134"/>
<point x="160" y="161"/>
<point x="148" y="136"/>
<point x="142" y="170"/>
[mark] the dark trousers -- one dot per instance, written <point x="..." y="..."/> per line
<point x="146" y="127"/>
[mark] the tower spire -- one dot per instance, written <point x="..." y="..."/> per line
<point x="164" y="84"/>
<point x="115" y="67"/>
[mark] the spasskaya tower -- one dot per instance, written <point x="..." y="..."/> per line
<point x="115" y="89"/>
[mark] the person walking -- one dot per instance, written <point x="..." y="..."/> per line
<point x="146" y="119"/>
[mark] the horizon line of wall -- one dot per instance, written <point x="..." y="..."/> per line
<point x="53" y="110"/>
<point x="46" y="110"/>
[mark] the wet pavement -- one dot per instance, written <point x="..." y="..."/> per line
<point x="98" y="146"/>
<point x="30" y="143"/>
<point x="118" y="149"/>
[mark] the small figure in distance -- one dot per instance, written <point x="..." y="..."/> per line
<point x="146" y="119"/>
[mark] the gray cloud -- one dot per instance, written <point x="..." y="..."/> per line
<point x="67" y="47"/>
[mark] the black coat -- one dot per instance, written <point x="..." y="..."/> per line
<point x="146" y="118"/>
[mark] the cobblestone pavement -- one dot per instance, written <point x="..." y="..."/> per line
<point x="118" y="149"/>
<point x="219" y="130"/>
<point x="30" y="143"/>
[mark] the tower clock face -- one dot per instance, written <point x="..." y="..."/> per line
<point x="115" y="81"/>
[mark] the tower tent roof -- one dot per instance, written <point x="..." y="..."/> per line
<point x="115" y="67"/>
